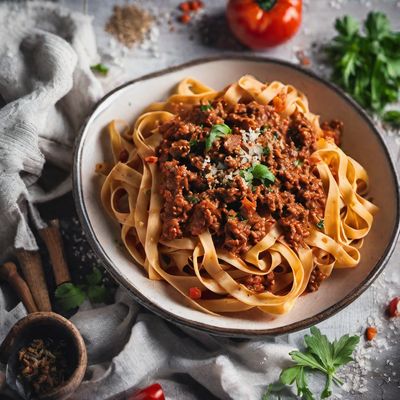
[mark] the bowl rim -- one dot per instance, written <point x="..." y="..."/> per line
<point x="230" y="332"/>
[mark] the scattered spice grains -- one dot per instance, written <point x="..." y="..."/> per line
<point x="130" y="24"/>
<point x="370" y="333"/>
<point x="43" y="365"/>
<point x="303" y="59"/>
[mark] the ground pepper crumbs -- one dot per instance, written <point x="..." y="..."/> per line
<point x="43" y="365"/>
<point x="129" y="24"/>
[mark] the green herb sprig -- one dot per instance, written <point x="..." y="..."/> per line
<point x="367" y="64"/>
<point x="321" y="356"/>
<point x="69" y="296"/>
<point x="216" y="132"/>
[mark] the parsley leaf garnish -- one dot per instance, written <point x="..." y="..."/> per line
<point x="100" y="68"/>
<point x="193" y="143"/>
<point x="69" y="296"/>
<point x="320" y="355"/>
<point x="260" y="172"/>
<point x="367" y="64"/>
<point x="321" y="224"/>
<point x="266" y="151"/>
<point x="192" y="199"/>
<point x="298" y="163"/>
<point x="392" y="117"/>
<point x="206" y="107"/>
<point x="216" y="132"/>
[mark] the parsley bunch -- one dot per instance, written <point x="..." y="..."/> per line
<point x="367" y="64"/>
<point x="321" y="356"/>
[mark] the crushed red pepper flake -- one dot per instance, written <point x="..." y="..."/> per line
<point x="371" y="333"/>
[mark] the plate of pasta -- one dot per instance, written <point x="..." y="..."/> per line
<point x="240" y="196"/>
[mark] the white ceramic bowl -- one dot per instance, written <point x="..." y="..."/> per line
<point x="360" y="140"/>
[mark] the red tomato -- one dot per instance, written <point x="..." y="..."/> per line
<point x="264" y="23"/>
<point x="195" y="293"/>
<point x="153" y="392"/>
<point x="394" y="307"/>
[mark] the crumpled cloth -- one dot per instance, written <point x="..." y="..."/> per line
<point x="48" y="87"/>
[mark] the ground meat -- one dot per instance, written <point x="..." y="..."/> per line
<point x="260" y="283"/>
<point x="315" y="280"/>
<point x="333" y="130"/>
<point x="210" y="188"/>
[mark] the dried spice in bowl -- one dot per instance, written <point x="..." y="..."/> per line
<point x="42" y="365"/>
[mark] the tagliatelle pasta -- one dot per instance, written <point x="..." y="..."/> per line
<point x="239" y="194"/>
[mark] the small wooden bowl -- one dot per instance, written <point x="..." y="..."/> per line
<point x="54" y="326"/>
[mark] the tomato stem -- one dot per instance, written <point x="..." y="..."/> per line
<point x="266" y="5"/>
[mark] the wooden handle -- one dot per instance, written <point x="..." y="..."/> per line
<point x="32" y="269"/>
<point x="9" y="273"/>
<point x="51" y="235"/>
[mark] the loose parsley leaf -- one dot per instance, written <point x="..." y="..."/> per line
<point x="276" y="135"/>
<point x="100" y="68"/>
<point x="68" y="296"/>
<point x="95" y="277"/>
<point x="216" y="132"/>
<point x="298" y="163"/>
<point x="392" y="117"/>
<point x="321" y="224"/>
<point x="206" y="107"/>
<point x="193" y="143"/>
<point x="263" y="173"/>
<point x="320" y="355"/>
<point x="260" y="172"/>
<point x="97" y="293"/>
<point x="367" y="63"/>
<point x="266" y="151"/>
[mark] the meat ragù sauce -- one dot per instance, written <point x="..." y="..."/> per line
<point x="238" y="170"/>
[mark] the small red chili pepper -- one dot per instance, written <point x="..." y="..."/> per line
<point x="194" y="293"/>
<point x="394" y="307"/>
<point x="185" y="6"/>
<point x="195" y="5"/>
<point x="185" y="18"/>
<point x="371" y="332"/>
<point x="124" y="156"/>
<point x="153" y="392"/>
<point x="151" y="159"/>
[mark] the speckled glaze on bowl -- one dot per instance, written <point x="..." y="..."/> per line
<point x="361" y="141"/>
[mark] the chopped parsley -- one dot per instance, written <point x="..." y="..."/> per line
<point x="206" y="107"/>
<point x="216" y="132"/>
<point x="100" y="68"/>
<point x="320" y="224"/>
<point x="264" y="128"/>
<point x="193" y="143"/>
<point x="276" y="135"/>
<point x="266" y="151"/>
<point x="260" y="172"/>
<point x="192" y="199"/>
<point x="298" y="163"/>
